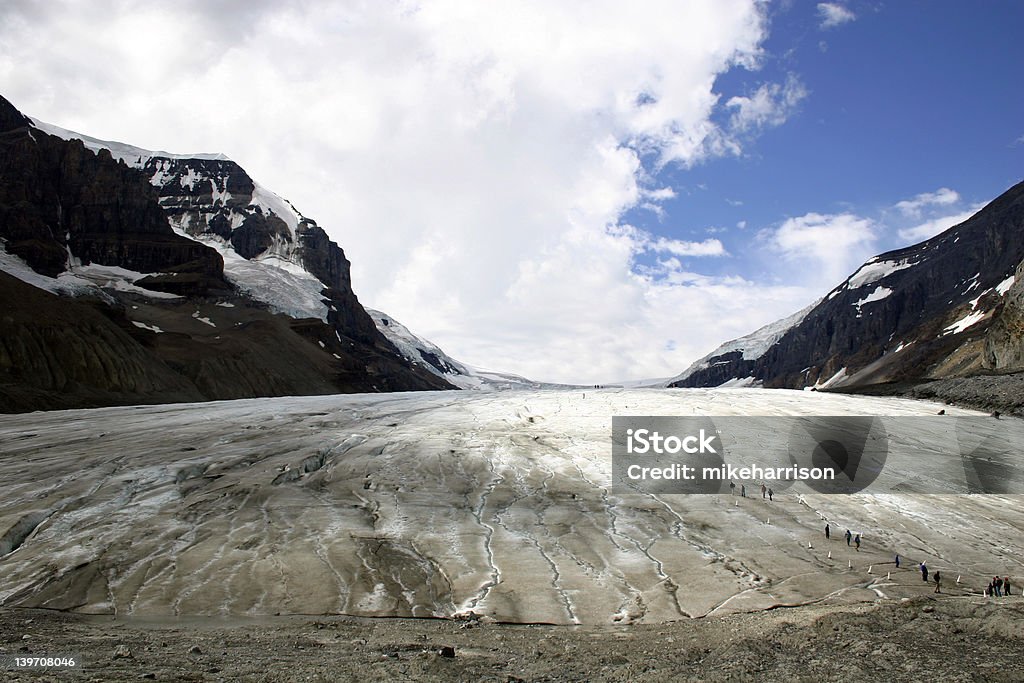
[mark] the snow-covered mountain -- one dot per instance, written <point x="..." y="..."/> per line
<point x="730" y="360"/>
<point x="133" y="276"/>
<point x="951" y="306"/>
<point x="425" y="353"/>
<point x="270" y="250"/>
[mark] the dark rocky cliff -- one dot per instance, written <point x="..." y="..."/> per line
<point x="64" y="205"/>
<point x="895" y="318"/>
<point x="59" y="199"/>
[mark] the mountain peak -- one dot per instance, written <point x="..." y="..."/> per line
<point x="130" y="154"/>
<point x="10" y="117"/>
<point x="944" y="307"/>
<point x="208" y="283"/>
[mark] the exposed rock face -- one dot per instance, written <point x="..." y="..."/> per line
<point x="215" y="199"/>
<point x="58" y="198"/>
<point x="283" y="321"/>
<point x="947" y="307"/>
<point x="1004" y="343"/>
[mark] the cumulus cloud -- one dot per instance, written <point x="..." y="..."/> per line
<point x="933" y="227"/>
<point x="708" y="247"/>
<point x="834" y="14"/>
<point x="941" y="197"/>
<point x="826" y="247"/>
<point x="822" y="249"/>
<point x="473" y="158"/>
<point x="931" y="213"/>
<point x="769" y="106"/>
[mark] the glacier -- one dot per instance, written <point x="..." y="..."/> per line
<point x="440" y="504"/>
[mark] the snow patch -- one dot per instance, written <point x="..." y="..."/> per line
<point x="831" y="381"/>
<point x="280" y="207"/>
<point x="79" y="280"/>
<point x="963" y="323"/>
<point x="151" y="328"/>
<point x="190" y="178"/>
<point x="1004" y="286"/>
<point x="873" y="271"/>
<point x="901" y="346"/>
<point x="739" y="382"/>
<point x="877" y="295"/>
<point x="130" y="154"/>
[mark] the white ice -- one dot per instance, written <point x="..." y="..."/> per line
<point x="429" y="504"/>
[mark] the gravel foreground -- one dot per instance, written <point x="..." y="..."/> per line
<point x="946" y="639"/>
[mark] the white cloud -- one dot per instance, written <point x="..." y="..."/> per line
<point x="769" y="106"/>
<point x="930" y="228"/>
<point x="473" y="158"/>
<point x="941" y="197"/>
<point x="826" y="248"/>
<point x="834" y="14"/>
<point x="708" y="247"/>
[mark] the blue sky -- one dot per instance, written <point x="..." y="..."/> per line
<point x="902" y="99"/>
<point x="572" y="192"/>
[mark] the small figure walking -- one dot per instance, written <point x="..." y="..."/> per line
<point x="856" y="542"/>
<point x="732" y="488"/>
<point x="764" y="489"/>
<point x="828" y="531"/>
<point x="998" y="583"/>
<point x="743" y="490"/>
<point x="924" y="572"/>
<point x="770" y="494"/>
<point x="848" y="537"/>
<point x="897" y="560"/>
<point x="1006" y="585"/>
<point x="938" y="582"/>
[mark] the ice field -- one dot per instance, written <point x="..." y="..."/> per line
<point x="438" y="504"/>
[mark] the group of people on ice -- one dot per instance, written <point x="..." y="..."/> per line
<point x="766" y="492"/>
<point x="998" y="587"/>
<point x="850" y="537"/>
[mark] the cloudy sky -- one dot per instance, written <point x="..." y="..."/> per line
<point x="573" y="191"/>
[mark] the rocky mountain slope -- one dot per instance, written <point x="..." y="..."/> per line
<point x="140" y="277"/>
<point x="426" y="354"/>
<point x="951" y="306"/>
<point x="733" y="362"/>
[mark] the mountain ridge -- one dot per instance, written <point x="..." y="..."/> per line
<point x="949" y="306"/>
<point x="85" y="227"/>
